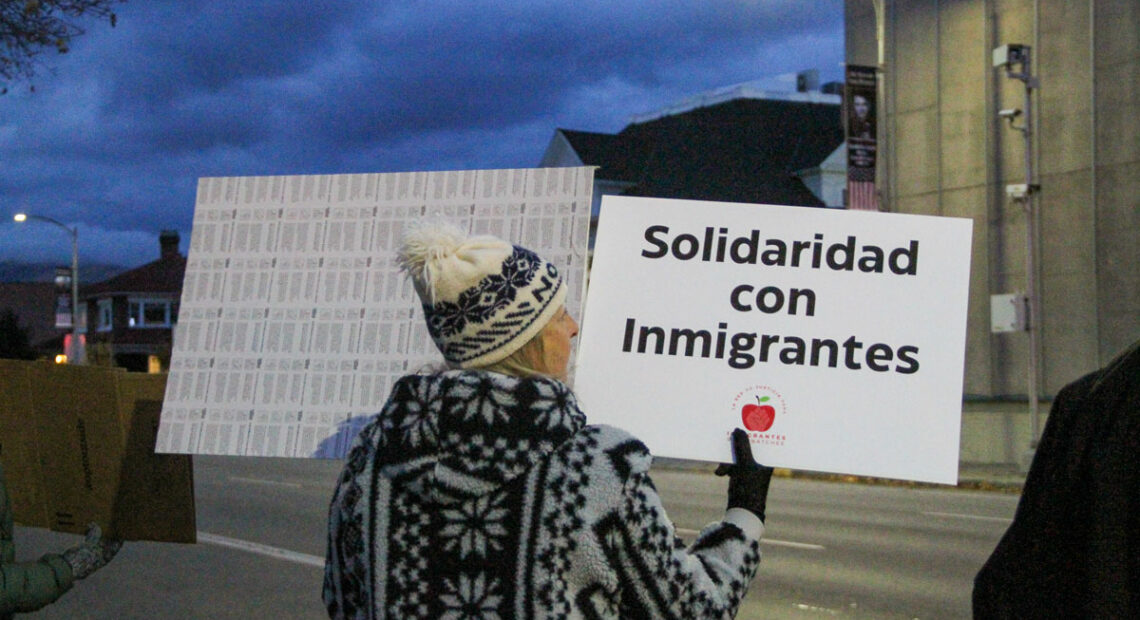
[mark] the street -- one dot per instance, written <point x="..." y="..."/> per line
<point x="831" y="549"/>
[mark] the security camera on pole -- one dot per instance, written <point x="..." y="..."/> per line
<point x="1015" y="59"/>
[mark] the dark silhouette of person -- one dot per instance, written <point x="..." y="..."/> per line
<point x="1073" y="549"/>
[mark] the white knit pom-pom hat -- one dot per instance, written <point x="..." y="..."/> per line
<point x="483" y="298"/>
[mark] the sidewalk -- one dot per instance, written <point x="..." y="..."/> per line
<point x="991" y="477"/>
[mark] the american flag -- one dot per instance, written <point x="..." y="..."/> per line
<point x="861" y="196"/>
<point x="861" y="193"/>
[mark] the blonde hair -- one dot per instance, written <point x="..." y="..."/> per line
<point x="521" y="363"/>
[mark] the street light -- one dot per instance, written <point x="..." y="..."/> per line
<point x="74" y="232"/>
<point x="1007" y="57"/>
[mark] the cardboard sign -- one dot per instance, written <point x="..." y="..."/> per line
<point x="154" y="499"/>
<point x="836" y="338"/>
<point x="77" y="445"/>
<point x="19" y="446"/>
<point x="81" y="443"/>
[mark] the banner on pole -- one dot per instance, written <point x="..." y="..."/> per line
<point x="861" y="111"/>
<point x="64" y="313"/>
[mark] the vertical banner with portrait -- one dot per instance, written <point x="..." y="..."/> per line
<point x="860" y="111"/>
<point x="64" y="313"/>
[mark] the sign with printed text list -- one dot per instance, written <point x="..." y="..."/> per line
<point x="295" y="320"/>
<point x="835" y="338"/>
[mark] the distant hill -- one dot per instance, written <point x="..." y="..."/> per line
<point x="12" y="271"/>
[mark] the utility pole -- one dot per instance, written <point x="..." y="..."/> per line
<point x="73" y="350"/>
<point x="1008" y="57"/>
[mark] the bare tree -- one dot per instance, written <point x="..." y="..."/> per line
<point x="29" y="28"/>
<point x="14" y="338"/>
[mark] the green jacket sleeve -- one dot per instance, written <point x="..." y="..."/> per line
<point x="28" y="586"/>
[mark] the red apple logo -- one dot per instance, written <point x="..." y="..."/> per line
<point x="758" y="417"/>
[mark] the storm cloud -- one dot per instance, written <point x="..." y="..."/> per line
<point x="116" y="133"/>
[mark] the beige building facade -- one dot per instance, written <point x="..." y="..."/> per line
<point x="949" y="145"/>
<point x="946" y="150"/>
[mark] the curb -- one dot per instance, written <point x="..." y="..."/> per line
<point x="965" y="484"/>
<point x="1001" y="483"/>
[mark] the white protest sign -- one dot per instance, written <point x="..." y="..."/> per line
<point x="835" y="337"/>
<point x="295" y="319"/>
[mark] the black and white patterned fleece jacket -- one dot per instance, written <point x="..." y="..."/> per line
<point x="481" y="495"/>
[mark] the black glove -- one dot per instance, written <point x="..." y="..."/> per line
<point x="91" y="554"/>
<point x="747" y="480"/>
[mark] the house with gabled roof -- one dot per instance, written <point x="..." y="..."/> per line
<point x="129" y="319"/>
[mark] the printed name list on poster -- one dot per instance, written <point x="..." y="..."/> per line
<point x="295" y="320"/>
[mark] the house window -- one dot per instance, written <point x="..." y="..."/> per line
<point x="106" y="320"/>
<point x="150" y="313"/>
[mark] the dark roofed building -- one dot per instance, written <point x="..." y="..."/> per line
<point x="738" y="145"/>
<point x="130" y="317"/>
<point x="620" y="157"/>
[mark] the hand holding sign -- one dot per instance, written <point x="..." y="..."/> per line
<point x="747" y="480"/>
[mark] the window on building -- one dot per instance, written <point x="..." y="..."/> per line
<point x="106" y="317"/>
<point x="151" y="313"/>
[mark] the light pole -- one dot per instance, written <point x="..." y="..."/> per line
<point x="1007" y="56"/>
<point x="72" y="356"/>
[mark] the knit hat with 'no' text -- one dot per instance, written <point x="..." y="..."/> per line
<point x="483" y="298"/>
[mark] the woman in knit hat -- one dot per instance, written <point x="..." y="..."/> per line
<point x="481" y="492"/>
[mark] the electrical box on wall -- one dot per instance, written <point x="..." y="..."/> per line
<point x="1008" y="313"/>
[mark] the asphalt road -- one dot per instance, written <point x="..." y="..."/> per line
<point x="832" y="549"/>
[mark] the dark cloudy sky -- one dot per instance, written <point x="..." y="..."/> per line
<point x="117" y="132"/>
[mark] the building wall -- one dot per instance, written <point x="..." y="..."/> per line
<point x="1116" y="180"/>
<point x="123" y="345"/>
<point x="948" y="153"/>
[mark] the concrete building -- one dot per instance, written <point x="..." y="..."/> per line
<point x="947" y="149"/>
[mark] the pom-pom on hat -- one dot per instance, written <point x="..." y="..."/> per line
<point x="483" y="298"/>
